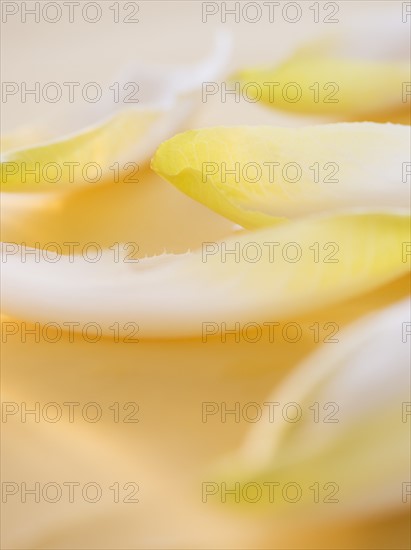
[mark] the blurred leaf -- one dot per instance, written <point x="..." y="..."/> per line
<point x="120" y="138"/>
<point x="339" y="77"/>
<point x="351" y="438"/>
<point x="275" y="272"/>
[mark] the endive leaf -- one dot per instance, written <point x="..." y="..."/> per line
<point x="270" y="273"/>
<point x="344" y="89"/>
<point x="357" y="74"/>
<point x="114" y="139"/>
<point x="259" y="175"/>
<point x="363" y="452"/>
<point x="119" y="139"/>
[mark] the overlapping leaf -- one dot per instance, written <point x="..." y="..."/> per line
<point x="119" y="139"/>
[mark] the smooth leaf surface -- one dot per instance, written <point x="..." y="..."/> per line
<point x="258" y="176"/>
<point x="356" y="73"/>
<point x="351" y="436"/>
<point x="271" y="273"/>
